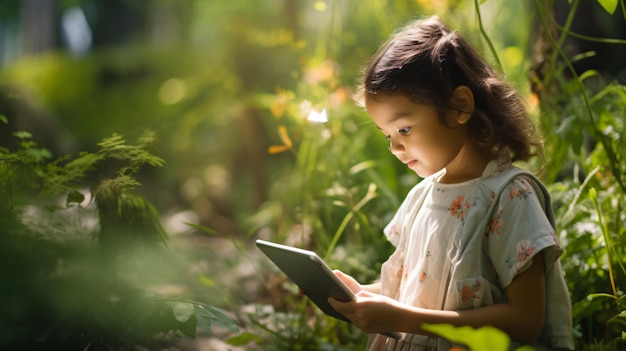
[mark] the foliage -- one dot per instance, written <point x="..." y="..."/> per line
<point x="61" y="288"/>
<point x="583" y="120"/>
<point x="229" y="101"/>
<point x="485" y="338"/>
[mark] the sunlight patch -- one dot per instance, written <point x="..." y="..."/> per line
<point x="318" y="117"/>
<point x="172" y="91"/>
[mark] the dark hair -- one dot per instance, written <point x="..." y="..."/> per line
<point x="426" y="62"/>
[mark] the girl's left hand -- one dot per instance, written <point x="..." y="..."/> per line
<point x="350" y="282"/>
<point x="373" y="313"/>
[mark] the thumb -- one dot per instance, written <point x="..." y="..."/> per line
<point x="350" y="282"/>
<point x="336" y="304"/>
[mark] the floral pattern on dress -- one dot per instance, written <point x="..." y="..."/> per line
<point x="458" y="207"/>
<point x="469" y="284"/>
<point x="469" y="292"/>
<point x="525" y="251"/>
<point x="494" y="226"/>
<point x="516" y="193"/>
<point x="492" y="199"/>
<point x="423" y="277"/>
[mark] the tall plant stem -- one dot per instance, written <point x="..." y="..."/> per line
<point x="589" y="111"/>
<point x="371" y="193"/>
<point x="9" y="185"/>
<point x="607" y="240"/>
<point x="486" y="37"/>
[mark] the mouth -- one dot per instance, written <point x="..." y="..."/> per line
<point x="410" y="163"/>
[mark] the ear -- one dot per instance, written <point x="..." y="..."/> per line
<point x="462" y="101"/>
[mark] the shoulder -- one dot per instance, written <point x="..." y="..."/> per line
<point x="512" y="177"/>
<point x="420" y="189"/>
<point x="516" y="189"/>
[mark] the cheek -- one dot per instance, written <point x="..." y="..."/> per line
<point x="446" y="143"/>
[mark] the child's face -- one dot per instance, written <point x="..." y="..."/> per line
<point x="417" y="137"/>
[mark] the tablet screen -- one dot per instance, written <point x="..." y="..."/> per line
<point x="310" y="273"/>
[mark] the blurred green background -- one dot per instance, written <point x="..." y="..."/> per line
<point x="227" y="90"/>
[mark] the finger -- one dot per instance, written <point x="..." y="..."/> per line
<point x="350" y="282"/>
<point x="336" y="304"/>
<point x="365" y="293"/>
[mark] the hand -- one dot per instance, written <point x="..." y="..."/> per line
<point x="373" y="313"/>
<point x="350" y="282"/>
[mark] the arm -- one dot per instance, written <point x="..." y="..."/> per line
<point x="521" y="316"/>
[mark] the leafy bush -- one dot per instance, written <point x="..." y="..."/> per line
<point x="70" y="285"/>
<point x="583" y="118"/>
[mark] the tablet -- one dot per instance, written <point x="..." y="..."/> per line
<point x="312" y="275"/>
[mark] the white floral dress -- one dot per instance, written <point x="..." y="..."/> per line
<point x="447" y="257"/>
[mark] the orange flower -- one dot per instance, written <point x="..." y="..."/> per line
<point x="422" y="277"/>
<point x="514" y="193"/>
<point x="524" y="251"/>
<point x="457" y="209"/>
<point x="494" y="226"/>
<point x="467" y="293"/>
<point x="456" y="206"/>
<point x="284" y="137"/>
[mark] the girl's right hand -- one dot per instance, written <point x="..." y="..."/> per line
<point x="350" y="282"/>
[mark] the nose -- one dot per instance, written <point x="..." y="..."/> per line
<point x="395" y="147"/>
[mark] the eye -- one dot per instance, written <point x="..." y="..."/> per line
<point x="405" y="131"/>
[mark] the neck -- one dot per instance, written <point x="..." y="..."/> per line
<point x="468" y="164"/>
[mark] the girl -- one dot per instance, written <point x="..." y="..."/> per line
<point x="475" y="243"/>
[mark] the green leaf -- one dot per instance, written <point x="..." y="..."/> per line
<point x="244" y="339"/>
<point x="182" y="310"/>
<point x="39" y="154"/>
<point x="22" y="134"/>
<point x="189" y="327"/>
<point x="485" y="338"/>
<point x="588" y="74"/>
<point x="609" y="5"/>
<point x="206" y="281"/>
<point x="209" y="315"/>
<point x="597" y="295"/>
<point x="4" y="119"/>
<point x="362" y="166"/>
<point x="203" y="229"/>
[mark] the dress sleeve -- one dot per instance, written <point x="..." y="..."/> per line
<point x="518" y="230"/>
<point x="396" y="232"/>
<point x="393" y="229"/>
<point x="391" y="270"/>
<point x="406" y="213"/>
